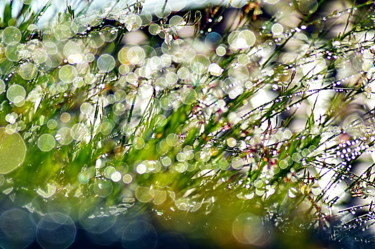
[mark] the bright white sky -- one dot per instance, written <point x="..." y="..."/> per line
<point x="149" y="6"/>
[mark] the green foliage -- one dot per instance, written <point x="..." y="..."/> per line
<point x="223" y="116"/>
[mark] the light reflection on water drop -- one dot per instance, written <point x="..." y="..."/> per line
<point x="12" y="151"/>
<point x="248" y="229"/>
<point x="56" y="230"/>
<point x="17" y="229"/>
<point x="139" y="235"/>
<point x="97" y="224"/>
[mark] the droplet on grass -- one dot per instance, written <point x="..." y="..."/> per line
<point x="127" y="178"/>
<point x="110" y="33"/>
<point x="143" y="194"/>
<point x="166" y="161"/>
<point x="108" y="171"/>
<point x="86" y="109"/>
<point x="241" y="39"/>
<point x="46" y="142"/>
<point x="11" y="117"/>
<point x="116" y="176"/>
<point x="63" y="136"/>
<point x="221" y="51"/>
<point x="277" y="29"/>
<point x="12" y="151"/>
<point x="231" y="142"/>
<point x="199" y="64"/>
<point x="28" y="71"/>
<point x="160" y="197"/>
<point x="307" y="7"/>
<point x="215" y="69"/>
<point x="80" y="132"/>
<point x="283" y="164"/>
<point x="138" y="143"/>
<point x="106" y="127"/>
<point x="106" y="63"/>
<point x="75" y="58"/>
<point x="65" y="117"/>
<point x="16" y="94"/>
<point x="141" y="168"/>
<point x="237" y="163"/>
<point x="183" y="73"/>
<point x="154" y="29"/>
<point x="181" y="167"/>
<point x="132" y="22"/>
<point x="176" y="20"/>
<point x="67" y="73"/>
<point x="50" y="47"/>
<point x="134" y="55"/>
<point x="52" y="124"/>
<point x="71" y="48"/>
<point x="103" y="188"/>
<point x="11" y="35"/>
<point x="12" y="52"/>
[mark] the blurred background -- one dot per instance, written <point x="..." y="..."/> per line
<point x="315" y="153"/>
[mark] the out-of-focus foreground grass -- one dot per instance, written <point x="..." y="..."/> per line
<point x="231" y="126"/>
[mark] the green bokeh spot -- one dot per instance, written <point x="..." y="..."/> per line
<point x="12" y="151"/>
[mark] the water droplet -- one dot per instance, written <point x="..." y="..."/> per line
<point x="16" y="94"/>
<point x="106" y="63"/>
<point x="11" y="35"/>
<point x="12" y="151"/>
<point x="67" y="73"/>
<point x="46" y="142"/>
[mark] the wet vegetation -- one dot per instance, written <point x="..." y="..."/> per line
<point x="240" y="125"/>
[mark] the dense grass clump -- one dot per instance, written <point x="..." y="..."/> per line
<point x="252" y="121"/>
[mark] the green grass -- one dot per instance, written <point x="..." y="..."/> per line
<point x="133" y="112"/>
